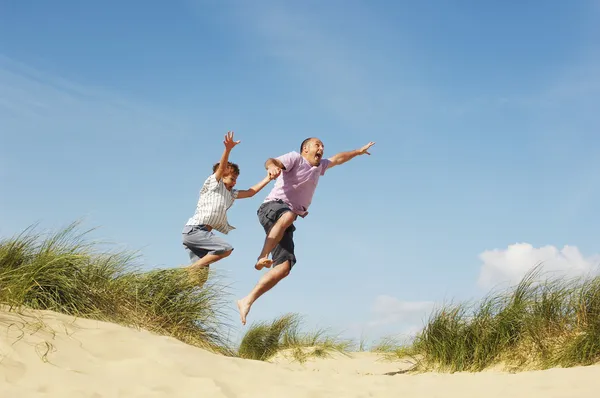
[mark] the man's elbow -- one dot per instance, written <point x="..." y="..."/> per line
<point x="274" y="162"/>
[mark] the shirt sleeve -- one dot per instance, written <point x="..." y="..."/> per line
<point x="289" y="160"/>
<point x="211" y="183"/>
<point x="324" y="165"/>
<point x="234" y="193"/>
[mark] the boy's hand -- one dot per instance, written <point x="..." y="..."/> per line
<point x="229" y="142"/>
<point x="365" y="149"/>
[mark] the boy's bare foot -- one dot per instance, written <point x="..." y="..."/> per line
<point x="243" y="308"/>
<point x="198" y="275"/>
<point x="263" y="263"/>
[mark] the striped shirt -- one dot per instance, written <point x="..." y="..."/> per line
<point x="215" y="199"/>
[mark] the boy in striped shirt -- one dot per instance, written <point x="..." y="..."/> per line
<point x="216" y="197"/>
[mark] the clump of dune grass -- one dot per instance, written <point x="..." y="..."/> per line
<point x="537" y="324"/>
<point x="264" y="340"/>
<point x="392" y="348"/>
<point x="63" y="272"/>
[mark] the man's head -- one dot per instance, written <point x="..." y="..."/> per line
<point x="312" y="150"/>
<point x="232" y="171"/>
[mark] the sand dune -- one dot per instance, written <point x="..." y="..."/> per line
<point x="63" y="357"/>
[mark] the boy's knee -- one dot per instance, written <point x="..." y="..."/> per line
<point x="227" y="253"/>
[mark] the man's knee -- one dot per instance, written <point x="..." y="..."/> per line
<point x="283" y="269"/>
<point x="286" y="219"/>
<point x="226" y="253"/>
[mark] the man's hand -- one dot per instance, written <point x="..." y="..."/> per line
<point x="274" y="167"/>
<point x="365" y="149"/>
<point x="273" y="171"/>
<point x="229" y="142"/>
<point x="343" y="157"/>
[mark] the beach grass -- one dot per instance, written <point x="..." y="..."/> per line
<point x="64" y="272"/>
<point x="284" y="335"/>
<point x="537" y="324"/>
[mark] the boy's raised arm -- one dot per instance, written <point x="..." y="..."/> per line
<point x="343" y="157"/>
<point x="248" y="193"/>
<point x="229" y="144"/>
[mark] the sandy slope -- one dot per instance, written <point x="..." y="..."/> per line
<point x="95" y="359"/>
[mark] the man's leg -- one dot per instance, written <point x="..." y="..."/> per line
<point x="266" y="283"/>
<point x="284" y="220"/>
<point x="284" y="260"/>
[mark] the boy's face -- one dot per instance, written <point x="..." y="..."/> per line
<point x="229" y="180"/>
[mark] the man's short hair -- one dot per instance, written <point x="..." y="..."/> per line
<point x="231" y="167"/>
<point x="306" y="141"/>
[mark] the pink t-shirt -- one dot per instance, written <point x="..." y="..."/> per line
<point x="296" y="184"/>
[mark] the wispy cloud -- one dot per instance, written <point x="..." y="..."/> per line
<point x="31" y="95"/>
<point x="389" y="310"/>
<point x="89" y="127"/>
<point x="346" y="78"/>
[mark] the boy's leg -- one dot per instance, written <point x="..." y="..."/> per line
<point x="208" y="259"/>
<point x="284" y="260"/>
<point x="205" y="248"/>
<point x="276" y="218"/>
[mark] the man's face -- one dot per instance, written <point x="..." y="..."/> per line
<point x="313" y="151"/>
<point x="229" y="180"/>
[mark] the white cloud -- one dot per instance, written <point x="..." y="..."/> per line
<point x="390" y="310"/>
<point x="511" y="264"/>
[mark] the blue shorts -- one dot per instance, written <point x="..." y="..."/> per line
<point x="199" y="242"/>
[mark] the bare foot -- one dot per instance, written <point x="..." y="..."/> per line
<point x="243" y="308"/>
<point x="198" y="275"/>
<point x="263" y="263"/>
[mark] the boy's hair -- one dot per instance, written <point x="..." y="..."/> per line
<point x="231" y="167"/>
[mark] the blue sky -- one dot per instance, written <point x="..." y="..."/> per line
<point x="485" y="118"/>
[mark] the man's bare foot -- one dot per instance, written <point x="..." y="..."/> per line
<point x="243" y="308"/>
<point x="263" y="263"/>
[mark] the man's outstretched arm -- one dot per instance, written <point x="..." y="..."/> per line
<point x="343" y="157"/>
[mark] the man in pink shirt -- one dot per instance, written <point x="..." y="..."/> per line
<point x="297" y="178"/>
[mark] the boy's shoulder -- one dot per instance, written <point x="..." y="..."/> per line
<point x="211" y="182"/>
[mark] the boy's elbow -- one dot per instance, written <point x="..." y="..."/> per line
<point x="249" y="193"/>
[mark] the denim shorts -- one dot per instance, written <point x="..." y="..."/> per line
<point x="199" y="241"/>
